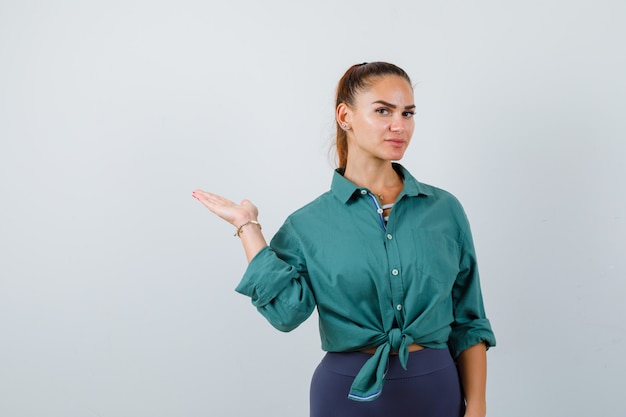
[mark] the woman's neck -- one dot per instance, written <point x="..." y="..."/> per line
<point x="375" y="177"/>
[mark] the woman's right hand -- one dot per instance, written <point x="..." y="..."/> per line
<point x="235" y="214"/>
<point x="238" y="215"/>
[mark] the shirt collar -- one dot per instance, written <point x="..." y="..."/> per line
<point x="344" y="189"/>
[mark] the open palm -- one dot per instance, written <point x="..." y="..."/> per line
<point x="233" y="213"/>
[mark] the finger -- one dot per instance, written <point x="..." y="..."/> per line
<point x="213" y="199"/>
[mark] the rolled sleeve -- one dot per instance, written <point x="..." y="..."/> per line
<point x="276" y="283"/>
<point x="470" y="334"/>
<point x="470" y="326"/>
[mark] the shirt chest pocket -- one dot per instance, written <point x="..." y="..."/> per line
<point x="436" y="256"/>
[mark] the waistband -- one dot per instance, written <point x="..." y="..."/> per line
<point x="421" y="362"/>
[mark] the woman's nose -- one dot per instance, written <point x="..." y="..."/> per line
<point x="397" y="124"/>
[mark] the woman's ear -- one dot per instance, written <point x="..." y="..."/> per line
<point x="344" y="116"/>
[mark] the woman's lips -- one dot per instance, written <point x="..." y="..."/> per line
<point x="396" y="142"/>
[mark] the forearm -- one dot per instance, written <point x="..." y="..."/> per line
<point x="472" y="364"/>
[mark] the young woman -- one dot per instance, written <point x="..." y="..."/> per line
<point x="388" y="262"/>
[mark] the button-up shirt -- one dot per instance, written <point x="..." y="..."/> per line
<point x="376" y="284"/>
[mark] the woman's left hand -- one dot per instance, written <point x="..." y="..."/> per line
<point x="476" y="411"/>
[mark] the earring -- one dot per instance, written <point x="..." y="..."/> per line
<point x="345" y="126"/>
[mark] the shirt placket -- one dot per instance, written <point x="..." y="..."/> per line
<point x="395" y="276"/>
<point x="393" y="262"/>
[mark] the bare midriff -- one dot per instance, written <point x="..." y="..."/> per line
<point x="414" y="347"/>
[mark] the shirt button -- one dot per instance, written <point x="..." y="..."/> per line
<point x="394" y="272"/>
<point x="363" y="192"/>
<point x="380" y="211"/>
<point x="399" y="307"/>
<point x="389" y="236"/>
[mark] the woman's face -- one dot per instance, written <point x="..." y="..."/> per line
<point x="381" y="121"/>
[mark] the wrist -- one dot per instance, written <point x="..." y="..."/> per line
<point x="243" y="219"/>
<point x="248" y="223"/>
<point x="476" y="409"/>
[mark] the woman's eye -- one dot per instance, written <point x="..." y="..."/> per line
<point x="382" y="111"/>
<point x="409" y="114"/>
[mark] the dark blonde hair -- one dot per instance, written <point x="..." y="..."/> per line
<point x="357" y="79"/>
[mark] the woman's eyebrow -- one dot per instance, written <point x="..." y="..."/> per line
<point x="393" y="106"/>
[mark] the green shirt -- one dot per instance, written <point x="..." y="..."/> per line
<point x="411" y="280"/>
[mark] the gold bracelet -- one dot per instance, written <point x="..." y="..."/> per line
<point x="245" y="224"/>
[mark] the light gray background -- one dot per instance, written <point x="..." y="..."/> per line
<point x="116" y="287"/>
